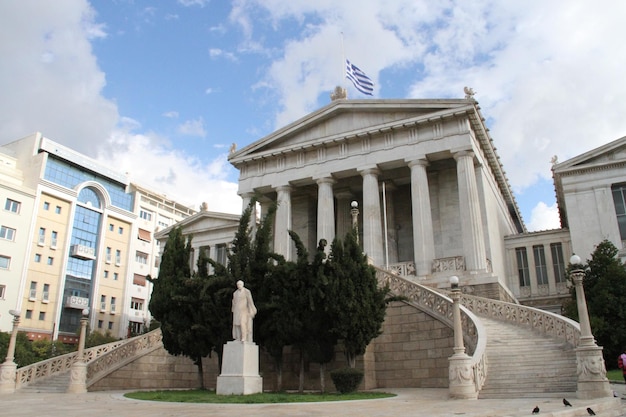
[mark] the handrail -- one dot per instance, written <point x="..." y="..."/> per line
<point x="544" y="322"/>
<point x="440" y="306"/>
<point x="29" y="374"/>
<point x="108" y="362"/>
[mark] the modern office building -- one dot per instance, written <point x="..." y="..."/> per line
<point x="82" y="242"/>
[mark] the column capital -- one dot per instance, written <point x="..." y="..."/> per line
<point x="418" y="162"/>
<point x="283" y="188"/>
<point x="369" y="171"/>
<point x="463" y="153"/>
<point x="325" y="180"/>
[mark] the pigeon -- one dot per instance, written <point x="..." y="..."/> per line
<point x="590" y="411"/>
<point x="536" y="410"/>
<point x="566" y="403"/>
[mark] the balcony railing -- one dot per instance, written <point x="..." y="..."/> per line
<point x="74" y="301"/>
<point x="82" y="252"/>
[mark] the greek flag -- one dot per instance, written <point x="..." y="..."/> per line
<point x="361" y="82"/>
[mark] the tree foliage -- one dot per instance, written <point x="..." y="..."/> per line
<point x="604" y="285"/>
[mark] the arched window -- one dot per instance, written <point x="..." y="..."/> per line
<point x="89" y="197"/>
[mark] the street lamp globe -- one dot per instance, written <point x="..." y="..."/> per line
<point x="575" y="260"/>
<point x="354" y="204"/>
<point x="15" y="313"/>
<point x="454" y="281"/>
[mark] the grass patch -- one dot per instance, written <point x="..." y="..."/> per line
<point x="615" y="375"/>
<point x="205" y="396"/>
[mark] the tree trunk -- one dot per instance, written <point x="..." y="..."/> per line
<point x="200" y="373"/>
<point x="322" y="378"/>
<point x="279" y="375"/>
<point x="301" y="382"/>
<point x="351" y="360"/>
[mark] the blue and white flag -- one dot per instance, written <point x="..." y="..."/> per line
<point x="361" y="82"/>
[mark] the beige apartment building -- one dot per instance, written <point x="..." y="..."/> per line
<point x="78" y="238"/>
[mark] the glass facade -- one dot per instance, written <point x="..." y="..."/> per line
<point x="67" y="175"/>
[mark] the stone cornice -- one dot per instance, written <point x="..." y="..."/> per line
<point x="584" y="169"/>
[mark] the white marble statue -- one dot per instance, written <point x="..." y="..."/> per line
<point x="243" y="313"/>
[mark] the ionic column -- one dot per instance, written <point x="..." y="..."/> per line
<point x="471" y="220"/>
<point x="423" y="238"/>
<point x="391" y="251"/>
<point x="282" y="241"/>
<point x="372" y="223"/>
<point x="325" y="211"/>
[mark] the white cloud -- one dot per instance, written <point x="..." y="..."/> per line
<point x="172" y="114"/>
<point x="543" y="217"/>
<point x="189" y="3"/>
<point x="50" y="80"/>
<point x="193" y="127"/>
<point x="220" y="53"/>
<point x="151" y="162"/>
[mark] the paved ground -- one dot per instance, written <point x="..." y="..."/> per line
<point x="409" y="402"/>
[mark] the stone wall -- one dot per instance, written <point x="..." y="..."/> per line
<point x="412" y="351"/>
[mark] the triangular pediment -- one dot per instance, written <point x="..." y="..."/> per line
<point x="344" y="118"/>
<point x="203" y="221"/>
<point x="608" y="154"/>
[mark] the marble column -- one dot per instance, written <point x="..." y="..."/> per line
<point x="372" y="221"/>
<point x="423" y="237"/>
<point x="282" y="241"/>
<point x="391" y="251"/>
<point x="246" y="199"/>
<point x="325" y="211"/>
<point x="344" y="219"/>
<point x="471" y="219"/>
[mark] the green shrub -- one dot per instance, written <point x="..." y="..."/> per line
<point x="346" y="380"/>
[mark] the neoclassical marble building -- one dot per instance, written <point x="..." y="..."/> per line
<point x="433" y="198"/>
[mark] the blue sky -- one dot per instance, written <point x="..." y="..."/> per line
<point x="160" y="90"/>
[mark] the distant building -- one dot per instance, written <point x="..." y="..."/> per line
<point x="77" y="235"/>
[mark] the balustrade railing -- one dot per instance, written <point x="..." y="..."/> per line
<point x="440" y="306"/>
<point x="544" y="322"/>
<point x="109" y="361"/>
<point x="29" y="374"/>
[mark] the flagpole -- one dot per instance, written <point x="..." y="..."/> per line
<point x="343" y="66"/>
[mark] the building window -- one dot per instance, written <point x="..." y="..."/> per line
<point x="57" y="210"/>
<point x="100" y="322"/>
<point x="112" y="304"/>
<point x="221" y="253"/>
<point x="37" y="257"/>
<point x="115" y="276"/>
<point x="46" y="205"/>
<point x="50" y="260"/>
<point x="42" y="315"/>
<point x="120" y="230"/>
<point x="146" y="215"/>
<point x="7" y="233"/>
<point x="118" y="257"/>
<point x="139" y="280"/>
<point x="33" y="291"/>
<point x="143" y="235"/>
<point x="53" y="239"/>
<point x="45" y="296"/>
<point x="12" y="206"/>
<point x="110" y="325"/>
<point x="619" y="200"/>
<point x="106" y="274"/>
<point x="108" y="255"/>
<point x="2" y="291"/>
<point x="111" y="227"/>
<point x="41" y="240"/>
<point x="522" y="267"/>
<point x="29" y="314"/>
<point x="558" y="263"/>
<point x="141" y="258"/>
<point x="541" y="269"/>
<point x="103" y="303"/>
<point x="136" y="304"/>
<point x="5" y="262"/>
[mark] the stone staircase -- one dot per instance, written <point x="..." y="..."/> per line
<point x="523" y="363"/>
<point x="54" y="384"/>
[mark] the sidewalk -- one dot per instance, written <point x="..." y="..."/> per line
<point x="409" y="402"/>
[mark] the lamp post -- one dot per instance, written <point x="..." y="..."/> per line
<point x="354" y="211"/>
<point x="8" y="368"/>
<point x="78" y="371"/>
<point x="460" y="372"/>
<point x="592" y="380"/>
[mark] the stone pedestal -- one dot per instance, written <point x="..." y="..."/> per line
<point x="240" y="369"/>
<point x="592" y="380"/>
<point x="461" y="377"/>
<point x="7" y="377"/>
<point x="78" y="378"/>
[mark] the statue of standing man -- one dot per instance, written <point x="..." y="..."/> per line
<point x="243" y="313"/>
